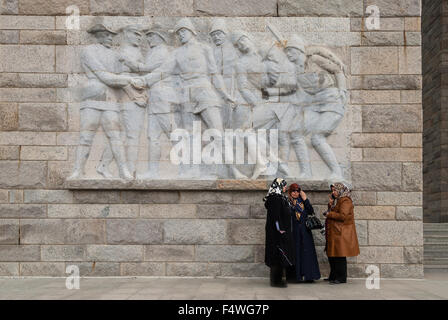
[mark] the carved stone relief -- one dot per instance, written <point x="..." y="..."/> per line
<point x="176" y="100"/>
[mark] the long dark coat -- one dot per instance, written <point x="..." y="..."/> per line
<point x="278" y="210"/>
<point x="305" y="252"/>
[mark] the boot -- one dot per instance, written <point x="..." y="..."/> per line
<point x="327" y="154"/>
<point x="301" y="151"/>
<point x="124" y="172"/>
<point x="82" y="153"/>
<point x="106" y="159"/>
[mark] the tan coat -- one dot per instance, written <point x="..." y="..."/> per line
<point x="342" y="240"/>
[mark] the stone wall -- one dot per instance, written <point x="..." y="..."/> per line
<point x="206" y="232"/>
<point x="434" y="108"/>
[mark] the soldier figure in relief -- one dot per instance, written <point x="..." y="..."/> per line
<point x="163" y="99"/>
<point x="225" y="56"/>
<point x="132" y="100"/>
<point x="195" y="64"/>
<point x="100" y="100"/>
<point x="320" y="98"/>
<point x="252" y="77"/>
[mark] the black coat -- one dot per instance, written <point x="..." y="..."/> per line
<point x="278" y="210"/>
<point x="306" y="267"/>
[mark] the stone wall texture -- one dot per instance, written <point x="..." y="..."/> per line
<point x="45" y="226"/>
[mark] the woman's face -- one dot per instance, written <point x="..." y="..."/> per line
<point x="295" y="194"/>
<point x="334" y="192"/>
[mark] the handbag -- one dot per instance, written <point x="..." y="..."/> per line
<point x="312" y="222"/>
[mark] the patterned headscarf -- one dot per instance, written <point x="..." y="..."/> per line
<point x="276" y="187"/>
<point x="342" y="189"/>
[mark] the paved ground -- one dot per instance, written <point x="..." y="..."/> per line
<point x="434" y="286"/>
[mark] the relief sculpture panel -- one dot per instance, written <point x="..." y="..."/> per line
<point x="209" y="98"/>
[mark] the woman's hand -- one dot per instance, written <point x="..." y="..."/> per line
<point x="330" y="200"/>
<point x="302" y="195"/>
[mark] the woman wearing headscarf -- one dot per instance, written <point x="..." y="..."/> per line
<point x="306" y="267"/>
<point x="340" y="232"/>
<point x="279" y="248"/>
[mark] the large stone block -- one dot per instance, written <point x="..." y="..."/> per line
<point x="19" y="253"/>
<point x="26" y="22"/>
<point x="9" y="116"/>
<point x="9" y="231"/>
<point x="236" y="8"/>
<point x="206" y="197"/>
<point x="411" y="140"/>
<point x="22" y="211"/>
<point x="114" y="253"/>
<point x="409" y="213"/>
<point x="62" y="231"/>
<point x="63" y="253"/>
<point x="413" y="255"/>
<point x="43" y="117"/>
<point x="92" y="211"/>
<point x="43" y="153"/>
<point x="338" y="8"/>
<point x="27" y="58"/>
<point x="9" y="6"/>
<point x="248" y="197"/>
<point x="374" y="96"/>
<point x="116" y="7"/>
<point x="401" y="271"/>
<point x="51" y="7"/>
<point x="257" y="211"/>
<point x="97" y="269"/>
<point x="392" y="154"/>
<point x="380" y="255"/>
<point x="149" y="197"/>
<point x="392" y="118"/>
<point x="362" y="231"/>
<point x="400" y="198"/>
<point x="374" y="60"/>
<point x="48" y="196"/>
<point x="15" y="138"/>
<point x="143" y="269"/>
<point x="410" y="60"/>
<point x="396" y="8"/>
<point x="43" y="37"/>
<point x="248" y="231"/>
<point x="96" y="196"/>
<point x="375" y="212"/>
<point x="167" y="8"/>
<point x="134" y="231"/>
<point x="376" y="140"/>
<point x="222" y="211"/>
<point x="376" y="176"/>
<point x="50" y="269"/>
<point x="226" y="253"/>
<point x="9" y="36"/>
<point x="28" y="95"/>
<point x="382" y="39"/>
<point x="9" y="153"/>
<point x="386" y="82"/>
<point x="25" y="174"/>
<point x="395" y="233"/>
<point x="9" y="269"/>
<point x="168" y="211"/>
<point x="413" y="176"/>
<point x="33" y="80"/>
<point x="191" y="269"/>
<point x="169" y="253"/>
<point x="186" y="231"/>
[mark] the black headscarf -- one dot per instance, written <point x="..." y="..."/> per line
<point x="276" y="188"/>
